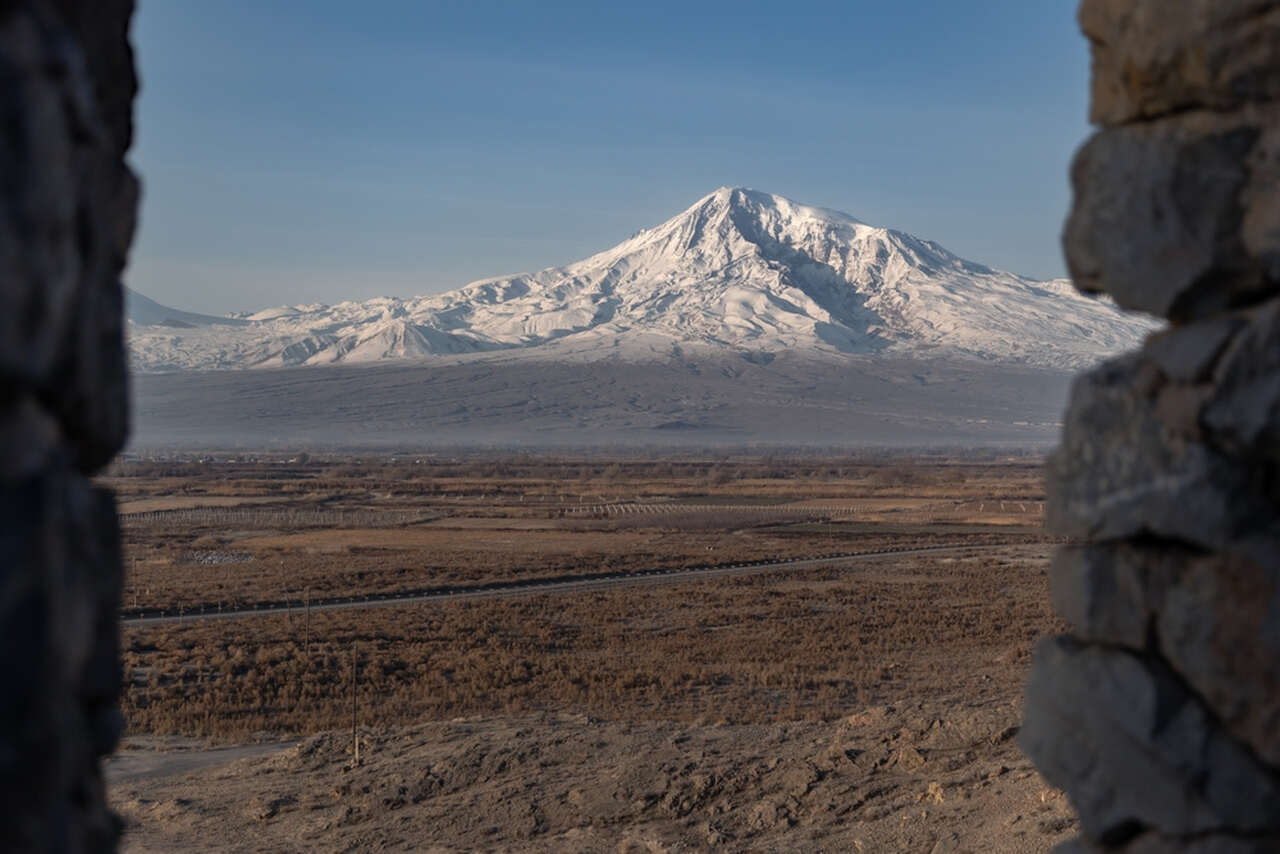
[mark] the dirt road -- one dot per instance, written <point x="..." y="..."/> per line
<point x="524" y="588"/>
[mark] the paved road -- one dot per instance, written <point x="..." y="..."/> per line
<point x="526" y="588"/>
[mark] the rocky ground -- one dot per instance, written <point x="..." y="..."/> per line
<point x="912" y="778"/>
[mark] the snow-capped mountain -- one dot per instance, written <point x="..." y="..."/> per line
<point x="740" y="270"/>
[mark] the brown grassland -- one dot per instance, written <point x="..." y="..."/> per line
<point x="889" y="687"/>
<point x="239" y="533"/>
<point x="788" y="645"/>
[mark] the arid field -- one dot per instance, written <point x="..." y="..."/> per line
<point x="865" y="703"/>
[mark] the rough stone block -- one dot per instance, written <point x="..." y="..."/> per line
<point x="1149" y="59"/>
<point x="1102" y="593"/>
<point x="1159" y="214"/>
<point x="1219" y="628"/>
<point x="1161" y="717"/>
<point x="1135" y="751"/>
<point x="66" y="220"/>
<point x="67" y="215"/>
<point x="1120" y="473"/>
<point x="1244" y="414"/>
<point x="1186" y="354"/>
<point x="1214" y="619"/>
<point x="58" y="643"/>
<point x="39" y="261"/>
<point x="1154" y="843"/>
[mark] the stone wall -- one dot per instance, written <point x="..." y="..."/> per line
<point x="1160" y="714"/>
<point x="67" y="209"/>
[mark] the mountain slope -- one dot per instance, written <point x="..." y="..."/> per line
<point x="144" y="311"/>
<point x="740" y="271"/>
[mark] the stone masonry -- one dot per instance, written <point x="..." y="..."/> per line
<point x="1160" y="714"/>
<point x="67" y="210"/>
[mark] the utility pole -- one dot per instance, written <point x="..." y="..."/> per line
<point x="355" y="741"/>
<point x="306" y="632"/>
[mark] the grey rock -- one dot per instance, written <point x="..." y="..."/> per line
<point x="1134" y="750"/>
<point x="1156" y="218"/>
<point x="1154" y="843"/>
<point x="66" y="221"/>
<point x="1148" y="61"/>
<point x="30" y="438"/>
<point x="39" y="261"/>
<point x="1120" y="473"/>
<point x="1214" y="619"/>
<point x="1103" y="594"/>
<point x="52" y="628"/>
<point x="1186" y="354"/>
<point x="1079" y="846"/>
<point x="1219" y="628"/>
<point x="67" y="214"/>
<point x="101" y="30"/>
<point x="1161" y="717"/>
<point x="1244" y="414"/>
<point x="1260" y="227"/>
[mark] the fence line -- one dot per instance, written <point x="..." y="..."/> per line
<point x="278" y="517"/>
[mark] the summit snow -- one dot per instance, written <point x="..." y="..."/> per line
<point x="740" y="270"/>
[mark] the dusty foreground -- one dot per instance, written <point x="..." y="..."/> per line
<point x="885" y="779"/>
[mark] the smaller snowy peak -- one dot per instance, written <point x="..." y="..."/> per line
<point x="282" y="311"/>
<point x="740" y="269"/>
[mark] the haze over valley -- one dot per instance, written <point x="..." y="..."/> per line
<point x="721" y="325"/>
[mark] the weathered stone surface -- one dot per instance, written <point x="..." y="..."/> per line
<point x="1260" y="227"/>
<point x="1156" y="221"/>
<point x="1219" y="628"/>
<point x="1154" y="843"/>
<point x="1244" y="414"/>
<point x="101" y="30"/>
<point x="58" y="605"/>
<point x="1134" y="750"/>
<point x="67" y="213"/>
<point x="1215" y="619"/>
<point x="1102" y="593"/>
<point x="1120" y="473"/>
<point x="1219" y="382"/>
<point x="30" y="438"/>
<point x="66" y="220"/>
<point x="1161" y="717"/>
<point x="1187" y="354"/>
<point x="1150" y="59"/>
<point x="39" y="261"/>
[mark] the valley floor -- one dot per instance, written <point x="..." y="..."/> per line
<point x="867" y="706"/>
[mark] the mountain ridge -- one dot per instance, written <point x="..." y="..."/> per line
<point x="740" y="270"/>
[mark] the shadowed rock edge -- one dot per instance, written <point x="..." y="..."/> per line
<point x="68" y="207"/>
<point x="1160" y="715"/>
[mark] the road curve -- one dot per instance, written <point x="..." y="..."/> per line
<point x="506" y="589"/>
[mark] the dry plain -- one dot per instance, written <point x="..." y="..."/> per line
<point x="866" y="704"/>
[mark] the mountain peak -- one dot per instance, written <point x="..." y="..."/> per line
<point x="740" y="270"/>
<point x="758" y="201"/>
<point x="742" y="196"/>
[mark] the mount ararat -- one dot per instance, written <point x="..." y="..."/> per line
<point x="723" y="324"/>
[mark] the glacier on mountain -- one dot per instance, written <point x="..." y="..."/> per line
<point x="740" y="270"/>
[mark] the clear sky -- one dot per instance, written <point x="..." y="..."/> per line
<point x="315" y="150"/>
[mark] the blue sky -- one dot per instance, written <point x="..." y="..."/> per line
<point x="317" y="151"/>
